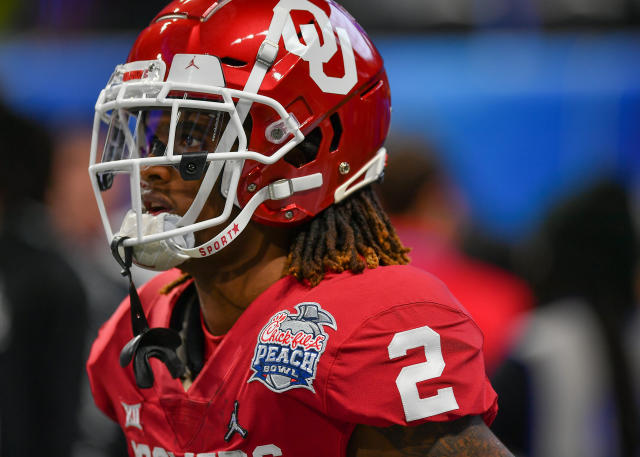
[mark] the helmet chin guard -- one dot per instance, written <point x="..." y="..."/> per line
<point x="158" y="255"/>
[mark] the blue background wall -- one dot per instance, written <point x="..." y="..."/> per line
<point x="521" y="119"/>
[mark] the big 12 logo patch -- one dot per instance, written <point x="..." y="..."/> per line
<point x="289" y="347"/>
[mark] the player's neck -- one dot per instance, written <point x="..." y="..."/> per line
<point x="228" y="282"/>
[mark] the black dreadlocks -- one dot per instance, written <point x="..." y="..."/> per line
<point x="351" y="235"/>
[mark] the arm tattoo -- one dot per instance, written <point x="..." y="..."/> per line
<point x="466" y="437"/>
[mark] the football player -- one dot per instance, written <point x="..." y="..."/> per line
<point x="286" y="323"/>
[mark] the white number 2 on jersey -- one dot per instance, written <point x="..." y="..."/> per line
<point x="414" y="406"/>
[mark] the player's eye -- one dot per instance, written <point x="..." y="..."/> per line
<point x="191" y="142"/>
<point x="190" y="136"/>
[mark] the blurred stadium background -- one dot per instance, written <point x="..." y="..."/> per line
<point x="528" y="100"/>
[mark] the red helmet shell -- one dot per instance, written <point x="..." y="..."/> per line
<point x="350" y="128"/>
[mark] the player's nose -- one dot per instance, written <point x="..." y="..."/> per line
<point x="156" y="174"/>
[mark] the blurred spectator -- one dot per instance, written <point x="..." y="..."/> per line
<point x="67" y="16"/>
<point x="567" y="389"/>
<point x="429" y="215"/>
<point x="42" y="305"/>
<point x="76" y="218"/>
<point x="381" y="15"/>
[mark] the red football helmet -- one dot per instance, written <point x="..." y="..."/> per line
<point x="285" y="102"/>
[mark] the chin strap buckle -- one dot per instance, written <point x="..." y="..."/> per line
<point x="278" y="190"/>
<point x="285" y="188"/>
<point x="267" y="53"/>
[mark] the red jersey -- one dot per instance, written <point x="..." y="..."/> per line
<point x="497" y="299"/>
<point x="301" y="368"/>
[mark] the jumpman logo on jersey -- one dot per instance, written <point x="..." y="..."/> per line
<point x="192" y="64"/>
<point x="234" y="427"/>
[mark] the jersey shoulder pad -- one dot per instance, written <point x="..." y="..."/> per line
<point x="360" y="296"/>
<point x="413" y="354"/>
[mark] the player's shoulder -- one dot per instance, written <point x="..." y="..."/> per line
<point x="377" y="319"/>
<point x="393" y="297"/>
<point x="381" y="289"/>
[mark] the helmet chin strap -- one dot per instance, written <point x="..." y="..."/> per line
<point x="158" y="342"/>
<point x="157" y="255"/>
<point x="277" y="190"/>
<point x="166" y="254"/>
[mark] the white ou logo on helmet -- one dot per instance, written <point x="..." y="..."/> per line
<point x="314" y="53"/>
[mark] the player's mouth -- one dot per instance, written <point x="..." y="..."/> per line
<point x="155" y="203"/>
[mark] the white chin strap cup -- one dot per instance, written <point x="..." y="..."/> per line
<point x="159" y="255"/>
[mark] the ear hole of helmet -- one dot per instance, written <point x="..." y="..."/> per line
<point x="337" y="131"/>
<point x="306" y="151"/>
